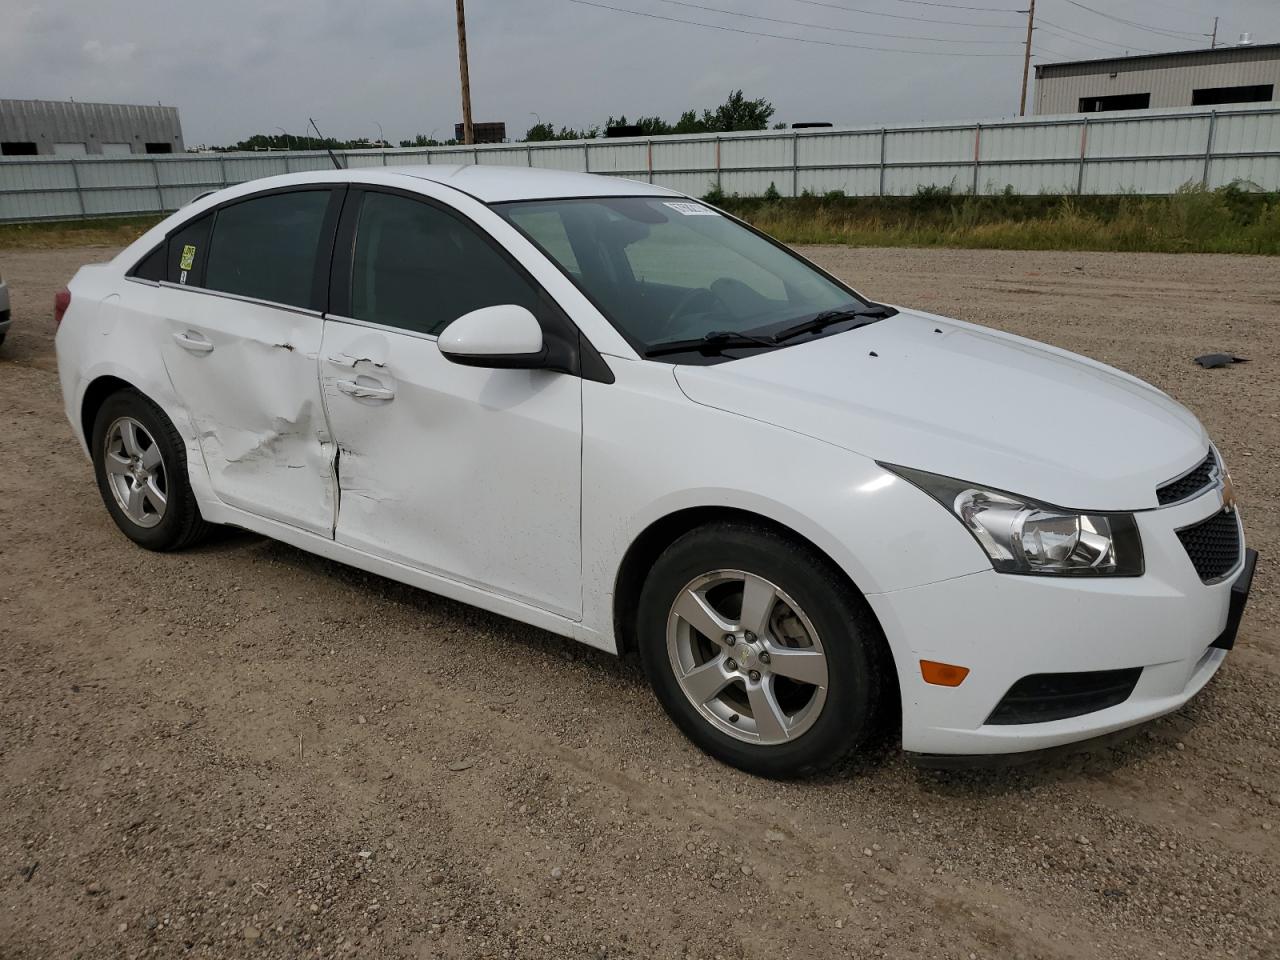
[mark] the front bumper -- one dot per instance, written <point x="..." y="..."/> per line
<point x="1004" y="628"/>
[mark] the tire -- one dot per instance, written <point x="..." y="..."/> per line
<point x="803" y="727"/>
<point x="157" y="453"/>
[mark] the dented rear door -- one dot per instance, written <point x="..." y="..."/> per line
<point x="247" y="375"/>
<point x="241" y="328"/>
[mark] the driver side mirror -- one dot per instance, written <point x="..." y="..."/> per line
<point x="506" y="337"/>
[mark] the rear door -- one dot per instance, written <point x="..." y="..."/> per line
<point x="242" y="311"/>
<point x="469" y="473"/>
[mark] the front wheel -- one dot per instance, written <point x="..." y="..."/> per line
<point x="760" y="650"/>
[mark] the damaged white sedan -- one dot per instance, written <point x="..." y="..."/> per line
<point x="614" y="412"/>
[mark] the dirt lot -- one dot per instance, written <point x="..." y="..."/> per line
<point x="245" y="751"/>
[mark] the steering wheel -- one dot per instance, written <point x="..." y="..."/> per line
<point x="685" y="305"/>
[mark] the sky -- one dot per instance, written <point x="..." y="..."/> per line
<point x="238" y="67"/>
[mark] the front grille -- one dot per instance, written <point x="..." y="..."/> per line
<point x="1189" y="484"/>
<point x="1042" y="697"/>
<point x="1213" y="545"/>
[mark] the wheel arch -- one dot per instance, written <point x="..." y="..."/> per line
<point x="661" y="533"/>
<point x="95" y="395"/>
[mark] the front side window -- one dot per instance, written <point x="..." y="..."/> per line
<point x="265" y="248"/>
<point x="419" y="268"/>
<point x="667" y="271"/>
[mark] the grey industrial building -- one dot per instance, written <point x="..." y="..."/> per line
<point x="68" y="128"/>
<point x="1248" y="73"/>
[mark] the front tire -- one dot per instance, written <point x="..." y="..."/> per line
<point x="760" y="650"/>
<point x="140" y="462"/>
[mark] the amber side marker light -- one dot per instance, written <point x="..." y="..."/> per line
<point x="942" y="674"/>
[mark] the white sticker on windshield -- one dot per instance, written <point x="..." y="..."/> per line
<point x="691" y="209"/>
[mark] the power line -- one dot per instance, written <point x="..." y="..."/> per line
<point x="1175" y="34"/>
<point x="956" y="6"/>
<point x="898" y="16"/>
<point x="780" y="36"/>
<point x="823" y="26"/>
<point x="1100" y="40"/>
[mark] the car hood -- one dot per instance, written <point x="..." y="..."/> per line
<point x="976" y="404"/>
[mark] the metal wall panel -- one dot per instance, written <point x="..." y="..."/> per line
<point x="674" y="153"/>
<point x="904" y="181"/>
<point x="1141" y="151"/>
<point x="114" y="201"/>
<point x="754" y="183"/>
<point x="620" y="156"/>
<point x="1026" y="141"/>
<point x="775" y="152"/>
<point x="560" y="157"/>
<point x="1250" y="172"/>
<point x="1142" y="176"/>
<point x="835" y="150"/>
<point x="855" y="182"/>
<point x="1027" y="178"/>
<point x="1144" y="136"/>
<point x="198" y="171"/>
<point x="931" y="146"/>
<point x="1236" y="133"/>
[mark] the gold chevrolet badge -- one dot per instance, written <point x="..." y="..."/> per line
<point x="1228" y="493"/>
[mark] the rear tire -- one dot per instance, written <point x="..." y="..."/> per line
<point x="140" y="462"/>
<point x="799" y="689"/>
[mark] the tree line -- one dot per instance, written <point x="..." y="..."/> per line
<point x="736" y="113"/>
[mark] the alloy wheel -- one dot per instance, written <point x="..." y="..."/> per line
<point x="747" y="657"/>
<point x="136" y="472"/>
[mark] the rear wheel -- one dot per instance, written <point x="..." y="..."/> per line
<point x="760" y="651"/>
<point x="141" y="466"/>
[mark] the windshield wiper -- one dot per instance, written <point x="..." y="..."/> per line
<point x="830" y="318"/>
<point x="717" y="341"/>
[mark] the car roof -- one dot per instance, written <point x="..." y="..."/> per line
<point x="486" y="183"/>
<point x="494" y="184"/>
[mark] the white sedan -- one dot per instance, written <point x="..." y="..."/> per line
<point x="614" y="412"/>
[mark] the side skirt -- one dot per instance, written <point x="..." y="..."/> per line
<point x="217" y="512"/>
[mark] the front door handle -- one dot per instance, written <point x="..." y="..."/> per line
<point x="366" y="391"/>
<point x="193" y="342"/>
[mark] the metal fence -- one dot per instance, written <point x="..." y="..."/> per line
<point x="1148" y="152"/>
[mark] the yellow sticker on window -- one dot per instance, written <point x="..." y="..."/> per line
<point x="188" y="257"/>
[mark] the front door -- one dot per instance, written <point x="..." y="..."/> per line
<point x="473" y="474"/>
<point x="241" y="334"/>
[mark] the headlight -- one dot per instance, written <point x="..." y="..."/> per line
<point x="1021" y="535"/>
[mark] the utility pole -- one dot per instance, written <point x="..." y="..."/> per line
<point x="1213" y="40"/>
<point x="1026" y="60"/>
<point x="468" y="131"/>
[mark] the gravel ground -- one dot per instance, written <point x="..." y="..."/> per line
<point x="245" y="750"/>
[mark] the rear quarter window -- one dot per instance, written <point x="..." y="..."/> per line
<point x="188" y="252"/>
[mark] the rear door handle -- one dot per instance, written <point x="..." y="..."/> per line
<point x="193" y="342"/>
<point x="366" y="391"/>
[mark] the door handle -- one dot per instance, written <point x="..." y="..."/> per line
<point x="365" y="391"/>
<point x="193" y="342"/>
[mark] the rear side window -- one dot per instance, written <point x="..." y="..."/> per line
<point x="419" y="268"/>
<point x="188" y="251"/>
<point x="265" y="248"/>
<point x="152" y="266"/>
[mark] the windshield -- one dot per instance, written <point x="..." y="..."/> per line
<point x="674" y="270"/>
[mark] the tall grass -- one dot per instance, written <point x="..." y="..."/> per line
<point x="1194" y="220"/>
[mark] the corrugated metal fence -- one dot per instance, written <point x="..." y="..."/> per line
<point x="1141" y="152"/>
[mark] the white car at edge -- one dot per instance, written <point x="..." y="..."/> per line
<point x="608" y="410"/>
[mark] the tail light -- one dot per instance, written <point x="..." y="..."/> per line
<point x="61" y="300"/>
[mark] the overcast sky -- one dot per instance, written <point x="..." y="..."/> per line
<point x="237" y="67"/>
